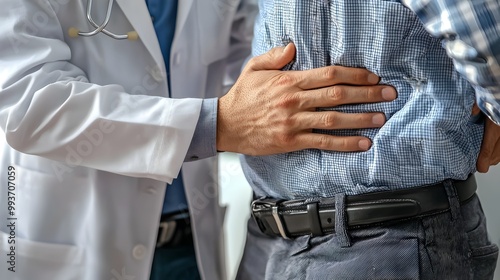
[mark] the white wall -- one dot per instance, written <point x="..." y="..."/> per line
<point x="236" y="194"/>
<point x="489" y="192"/>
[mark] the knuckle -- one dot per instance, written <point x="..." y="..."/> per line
<point x="345" y="144"/>
<point x="254" y="61"/>
<point x="336" y="93"/>
<point x="323" y="142"/>
<point x="287" y="124"/>
<point x="285" y="139"/>
<point x="285" y="80"/>
<point x="330" y="120"/>
<point x="288" y="101"/>
<point x="331" y="73"/>
<point x="371" y="92"/>
<point x="276" y="53"/>
<point x="251" y="63"/>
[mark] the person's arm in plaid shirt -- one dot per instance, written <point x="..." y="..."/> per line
<point x="471" y="33"/>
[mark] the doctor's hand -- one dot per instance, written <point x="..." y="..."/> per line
<point x="269" y="111"/>
<point x="490" y="147"/>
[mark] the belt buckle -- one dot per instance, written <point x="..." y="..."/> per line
<point x="267" y="203"/>
<point x="166" y="232"/>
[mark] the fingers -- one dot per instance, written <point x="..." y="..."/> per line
<point x="483" y="160"/>
<point x="488" y="158"/>
<point x="490" y="147"/>
<point x="340" y="95"/>
<point x="483" y="166"/>
<point x="490" y="151"/>
<point x="337" y="120"/>
<point x="333" y="75"/>
<point x="275" y="59"/>
<point x="333" y="143"/>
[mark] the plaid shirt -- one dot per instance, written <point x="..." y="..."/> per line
<point x="471" y="29"/>
<point x="429" y="136"/>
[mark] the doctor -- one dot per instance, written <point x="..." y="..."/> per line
<point x="95" y="137"/>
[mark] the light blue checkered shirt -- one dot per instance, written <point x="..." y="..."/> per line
<point x="429" y="135"/>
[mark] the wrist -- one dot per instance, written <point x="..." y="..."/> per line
<point x="221" y="131"/>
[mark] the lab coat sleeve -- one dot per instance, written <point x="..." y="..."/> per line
<point x="471" y="36"/>
<point x="49" y="108"/>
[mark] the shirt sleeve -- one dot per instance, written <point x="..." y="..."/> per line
<point x="203" y="144"/>
<point x="471" y="36"/>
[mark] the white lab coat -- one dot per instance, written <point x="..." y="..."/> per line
<point x="94" y="139"/>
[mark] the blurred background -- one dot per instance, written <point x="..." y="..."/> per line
<point x="236" y="195"/>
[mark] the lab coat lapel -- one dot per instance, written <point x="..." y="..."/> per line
<point x="137" y="13"/>
<point x="182" y="14"/>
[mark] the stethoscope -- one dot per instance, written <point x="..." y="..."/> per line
<point x="74" y="32"/>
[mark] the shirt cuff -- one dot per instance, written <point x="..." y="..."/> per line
<point x="490" y="105"/>
<point x="203" y="144"/>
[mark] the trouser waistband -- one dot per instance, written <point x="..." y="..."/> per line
<point x="317" y="217"/>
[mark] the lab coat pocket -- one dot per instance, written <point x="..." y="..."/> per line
<point x="37" y="260"/>
<point x="52" y="208"/>
<point x="215" y="21"/>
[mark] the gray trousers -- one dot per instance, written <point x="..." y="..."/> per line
<point x="450" y="245"/>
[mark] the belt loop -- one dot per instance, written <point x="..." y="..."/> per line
<point x="341" y="221"/>
<point x="453" y="200"/>
<point x="314" y="222"/>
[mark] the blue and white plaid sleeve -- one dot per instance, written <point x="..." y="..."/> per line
<point x="471" y="33"/>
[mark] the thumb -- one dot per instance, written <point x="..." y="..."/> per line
<point x="275" y="59"/>
<point x="483" y="159"/>
<point x="483" y="164"/>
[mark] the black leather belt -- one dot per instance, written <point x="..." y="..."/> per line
<point x="316" y="217"/>
<point x="174" y="230"/>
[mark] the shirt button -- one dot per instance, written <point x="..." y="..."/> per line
<point x="177" y="59"/>
<point x="139" y="252"/>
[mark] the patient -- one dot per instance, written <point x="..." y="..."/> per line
<point x="421" y="218"/>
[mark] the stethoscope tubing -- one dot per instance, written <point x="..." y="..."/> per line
<point x="73" y="32"/>
<point x="101" y="27"/>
